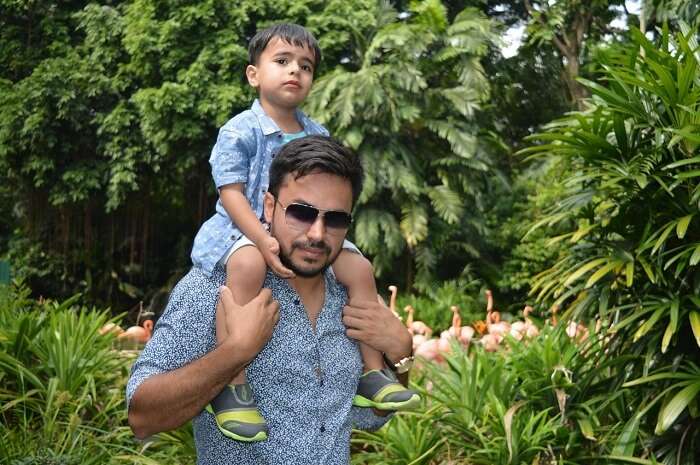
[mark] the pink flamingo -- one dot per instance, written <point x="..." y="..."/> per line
<point x="138" y="333"/>
<point x="430" y="350"/>
<point x="524" y="329"/>
<point x="463" y="334"/>
<point x="392" y="300"/>
<point x="111" y="328"/>
<point x="416" y="327"/>
<point x="494" y="325"/>
<point x="495" y="328"/>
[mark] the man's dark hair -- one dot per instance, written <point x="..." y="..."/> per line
<point x="316" y="154"/>
<point x="291" y="33"/>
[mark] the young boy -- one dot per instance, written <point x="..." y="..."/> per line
<point x="282" y="63"/>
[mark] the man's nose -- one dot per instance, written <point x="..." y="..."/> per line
<point x="317" y="229"/>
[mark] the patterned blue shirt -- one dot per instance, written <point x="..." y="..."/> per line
<point x="303" y="380"/>
<point x="242" y="154"/>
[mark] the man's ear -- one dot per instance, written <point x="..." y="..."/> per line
<point x="269" y="207"/>
<point x="251" y="72"/>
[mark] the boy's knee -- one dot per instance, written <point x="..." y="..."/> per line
<point x="246" y="261"/>
<point x="356" y="268"/>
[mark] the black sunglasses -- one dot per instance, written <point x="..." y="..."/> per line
<point x="301" y="216"/>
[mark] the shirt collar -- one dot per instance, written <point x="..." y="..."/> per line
<point x="269" y="126"/>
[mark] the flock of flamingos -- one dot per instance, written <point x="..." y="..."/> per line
<point x="490" y="332"/>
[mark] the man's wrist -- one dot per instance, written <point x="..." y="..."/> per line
<point x="402" y="350"/>
<point x="238" y="356"/>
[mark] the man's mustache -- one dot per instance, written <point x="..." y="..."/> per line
<point x="311" y="245"/>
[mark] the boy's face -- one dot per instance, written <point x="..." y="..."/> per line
<point x="283" y="74"/>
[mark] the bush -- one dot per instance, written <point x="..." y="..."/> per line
<point x="63" y="384"/>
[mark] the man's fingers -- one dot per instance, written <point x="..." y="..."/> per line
<point x="352" y="322"/>
<point x="357" y="312"/>
<point x="353" y="333"/>
<point x="226" y="299"/>
<point x="263" y="298"/>
<point x="363" y="303"/>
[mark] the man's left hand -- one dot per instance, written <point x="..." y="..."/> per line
<point x="375" y="325"/>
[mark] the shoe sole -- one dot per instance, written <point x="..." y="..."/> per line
<point x="261" y="436"/>
<point x="410" y="404"/>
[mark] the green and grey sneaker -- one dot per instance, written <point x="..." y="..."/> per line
<point x="380" y="389"/>
<point x="237" y="415"/>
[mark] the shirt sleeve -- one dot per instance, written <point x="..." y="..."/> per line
<point x="232" y="154"/>
<point x="365" y="419"/>
<point x="184" y="332"/>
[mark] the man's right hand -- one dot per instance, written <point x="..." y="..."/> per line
<point x="249" y="327"/>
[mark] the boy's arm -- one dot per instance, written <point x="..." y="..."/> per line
<point x="238" y="208"/>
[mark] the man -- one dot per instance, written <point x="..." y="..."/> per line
<point x="303" y="369"/>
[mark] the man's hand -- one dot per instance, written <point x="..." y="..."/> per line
<point x="374" y="324"/>
<point x="270" y="250"/>
<point x="249" y="327"/>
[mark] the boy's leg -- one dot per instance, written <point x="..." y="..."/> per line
<point x="245" y="275"/>
<point x="355" y="272"/>
<point x="378" y="387"/>
<point x="234" y="408"/>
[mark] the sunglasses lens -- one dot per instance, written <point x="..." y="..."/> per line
<point x="302" y="215"/>
<point x="337" y="220"/>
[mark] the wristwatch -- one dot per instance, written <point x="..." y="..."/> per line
<point x="402" y="366"/>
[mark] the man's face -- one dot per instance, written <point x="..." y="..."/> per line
<point x="308" y="250"/>
<point x="283" y="74"/>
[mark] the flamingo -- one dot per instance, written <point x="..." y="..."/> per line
<point x="430" y="350"/>
<point x="494" y="325"/>
<point x="111" y="328"/>
<point x="577" y="331"/>
<point x="463" y="334"/>
<point x="392" y="300"/>
<point x="416" y="327"/>
<point x="524" y="329"/>
<point x="495" y="328"/>
<point x="138" y="333"/>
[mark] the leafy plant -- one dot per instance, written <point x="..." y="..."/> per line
<point x="629" y="217"/>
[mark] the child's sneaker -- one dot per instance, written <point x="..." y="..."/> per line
<point x="380" y="389"/>
<point x="237" y="414"/>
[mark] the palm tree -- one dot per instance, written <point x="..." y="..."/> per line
<point x="406" y="99"/>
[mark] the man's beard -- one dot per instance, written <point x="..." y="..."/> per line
<point x="286" y="261"/>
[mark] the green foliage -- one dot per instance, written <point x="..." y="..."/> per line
<point x="545" y="401"/>
<point x="62" y="386"/>
<point x="406" y="99"/>
<point x="628" y="216"/>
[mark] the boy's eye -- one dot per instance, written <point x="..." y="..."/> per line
<point x="307" y="68"/>
<point x="282" y="61"/>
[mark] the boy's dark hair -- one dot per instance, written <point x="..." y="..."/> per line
<point x="316" y="154"/>
<point x="291" y="33"/>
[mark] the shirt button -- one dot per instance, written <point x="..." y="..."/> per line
<point x="296" y="301"/>
<point x="323" y="428"/>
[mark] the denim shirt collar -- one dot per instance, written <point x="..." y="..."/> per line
<point x="268" y="125"/>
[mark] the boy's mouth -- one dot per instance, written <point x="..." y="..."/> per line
<point x="292" y="83"/>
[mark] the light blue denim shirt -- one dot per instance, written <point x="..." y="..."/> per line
<point x="246" y="145"/>
<point x="303" y="380"/>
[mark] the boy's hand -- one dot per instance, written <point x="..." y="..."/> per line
<point x="270" y="250"/>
